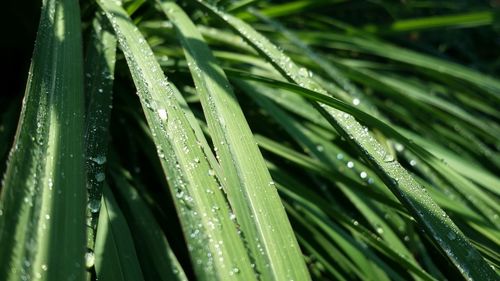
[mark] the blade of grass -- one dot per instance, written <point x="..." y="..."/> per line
<point x="249" y="186"/>
<point x="115" y="256"/>
<point x="429" y="215"/>
<point x="311" y="143"/>
<point x="464" y="20"/>
<point x="290" y="7"/>
<point x="42" y="205"/>
<point x="158" y="262"/>
<point x="335" y="74"/>
<point x="489" y="207"/>
<point x="216" y="250"/>
<point x="424" y="64"/>
<point x="99" y="73"/>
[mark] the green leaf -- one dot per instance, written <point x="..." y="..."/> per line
<point x="425" y="64"/>
<point x="216" y="249"/>
<point x="464" y="20"/>
<point x="488" y="205"/>
<point x="247" y="182"/>
<point x="115" y="257"/>
<point x="99" y="73"/>
<point x="158" y="262"/>
<point x="430" y="216"/>
<point x="42" y="205"/>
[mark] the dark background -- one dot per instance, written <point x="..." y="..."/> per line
<point x="19" y="22"/>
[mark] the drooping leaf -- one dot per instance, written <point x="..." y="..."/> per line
<point x="429" y="215"/>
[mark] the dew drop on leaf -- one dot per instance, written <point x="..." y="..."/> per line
<point x="163" y="114"/>
<point x="100" y="177"/>
<point x="99" y="160"/>
<point x="89" y="259"/>
<point x="303" y="72"/>
<point x="234" y="271"/>
<point x="94" y="205"/>
<point x="388" y="157"/>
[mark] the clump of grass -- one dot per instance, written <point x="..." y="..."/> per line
<point x="253" y="140"/>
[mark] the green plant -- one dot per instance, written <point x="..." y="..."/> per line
<point x="252" y="140"/>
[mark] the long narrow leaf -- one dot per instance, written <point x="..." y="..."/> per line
<point x="432" y="218"/>
<point x="157" y="259"/>
<point x="216" y="249"/>
<point x="42" y="205"/>
<point x="249" y="186"/>
<point x="99" y="73"/>
<point x="115" y="256"/>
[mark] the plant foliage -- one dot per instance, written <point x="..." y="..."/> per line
<point x="254" y="140"/>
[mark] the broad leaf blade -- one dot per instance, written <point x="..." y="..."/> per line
<point x="42" y="222"/>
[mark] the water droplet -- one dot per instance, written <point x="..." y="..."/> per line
<point x="211" y="172"/>
<point x="379" y="229"/>
<point x="399" y="147"/>
<point x="319" y="148"/>
<point x="388" y="157"/>
<point x="232" y="216"/>
<point x="94" y="205"/>
<point x="356" y="101"/>
<point x="89" y="259"/>
<point x="99" y="160"/>
<point x="413" y="162"/>
<point x="44" y="267"/>
<point x="452" y="235"/>
<point x="350" y="165"/>
<point x="363" y="175"/>
<point x="340" y="156"/>
<point x="100" y="177"/>
<point x="303" y="72"/>
<point x="234" y="271"/>
<point x="163" y="114"/>
<point x="179" y="194"/>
